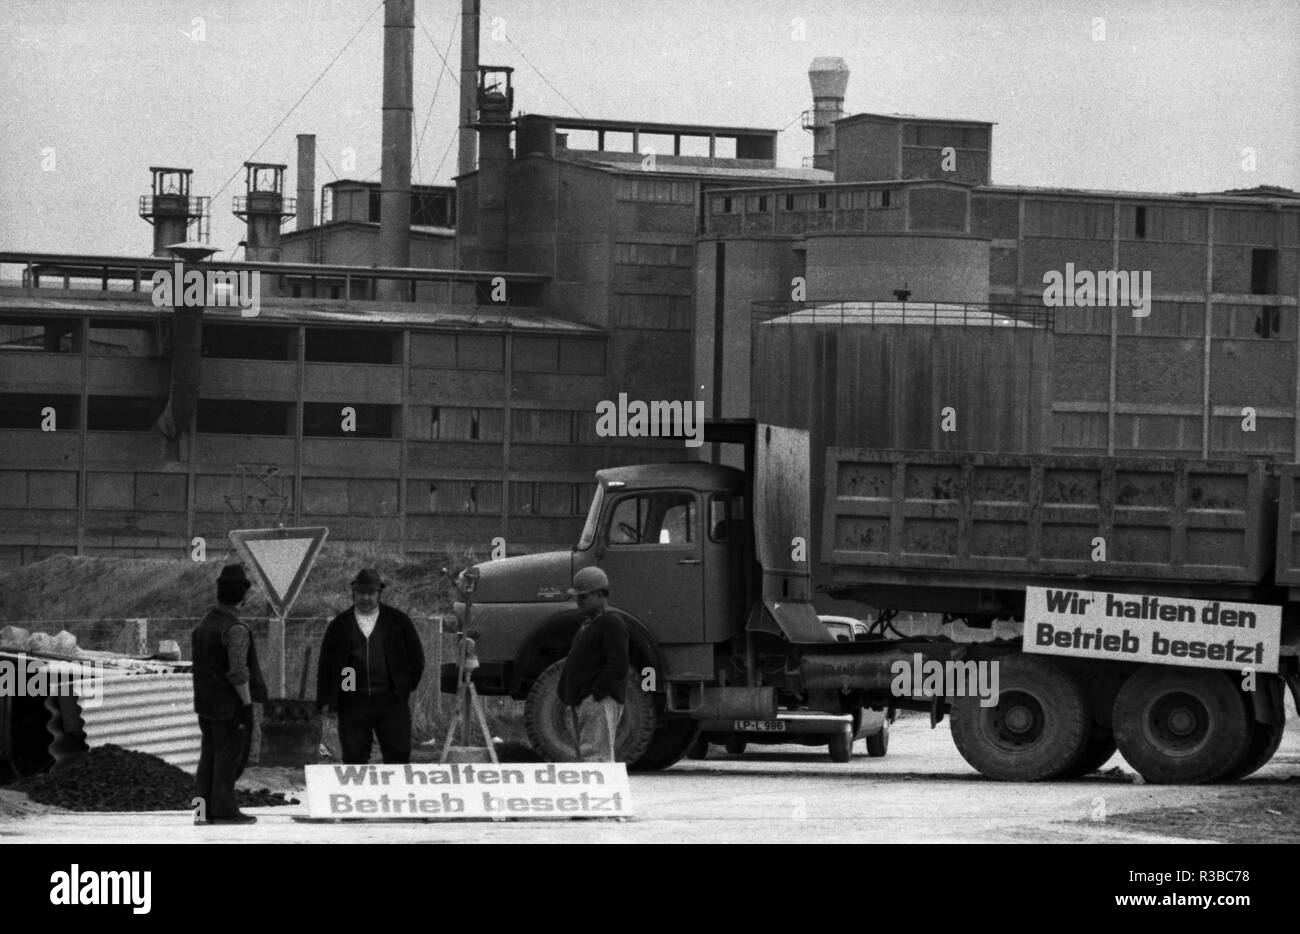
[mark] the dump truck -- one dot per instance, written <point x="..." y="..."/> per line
<point x="1148" y="605"/>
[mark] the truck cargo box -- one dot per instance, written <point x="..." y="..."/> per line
<point x="984" y="517"/>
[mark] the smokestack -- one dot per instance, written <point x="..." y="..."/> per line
<point x="306" y="180"/>
<point x="496" y="99"/>
<point x="469" y="26"/>
<point x="263" y="209"/>
<point x="829" y="78"/>
<point x="395" y="178"/>
<point x="171" y="210"/>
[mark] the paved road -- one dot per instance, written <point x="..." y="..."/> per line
<point x="921" y="792"/>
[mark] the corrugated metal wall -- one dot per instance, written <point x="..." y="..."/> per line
<point x="149" y="713"/>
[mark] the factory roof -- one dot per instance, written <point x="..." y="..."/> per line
<point x="643" y="126"/>
<point x="1262" y="193"/>
<point x="432" y="316"/>
<point x="910" y="118"/>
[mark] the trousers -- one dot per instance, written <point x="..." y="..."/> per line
<point x="223" y="754"/>
<point x="387" y="717"/>
<point x="597" y="727"/>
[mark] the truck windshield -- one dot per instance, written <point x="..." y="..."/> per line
<point x="593" y="514"/>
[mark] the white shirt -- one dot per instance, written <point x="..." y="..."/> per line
<point x="367" y="622"/>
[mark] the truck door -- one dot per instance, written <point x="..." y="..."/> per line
<point x="653" y="558"/>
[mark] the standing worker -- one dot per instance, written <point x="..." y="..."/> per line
<point x="593" y="682"/>
<point x="227" y="681"/>
<point x="371" y="659"/>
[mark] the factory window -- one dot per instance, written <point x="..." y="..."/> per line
<point x="480" y="353"/>
<point x="29" y="410"/>
<point x="123" y="339"/>
<point x="122" y="413"/>
<point x="1140" y="222"/>
<point x="373" y="213"/>
<point x="541" y="426"/>
<point x="245" y="417"/>
<point x="50" y="336"/>
<point x="242" y="342"/>
<point x="454" y="423"/>
<point x="350" y="345"/>
<point x="1263" y="272"/>
<point x="821" y="200"/>
<point x="432" y="209"/>
<point x="582" y="357"/>
<point x="528" y="498"/>
<point x="329" y="420"/>
<point x="460" y="497"/>
<point x="535" y="354"/>
<point x="789" y="202"/>
<point x="654" y="190"/>
<point x="726" y="206"/>
<point x="653" y="254"/>
<point x="762" y="204"/>
<point x="879" y="198"/>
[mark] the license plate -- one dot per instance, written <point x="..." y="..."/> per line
<point x="760" y="726"/>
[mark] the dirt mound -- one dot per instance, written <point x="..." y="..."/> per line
<point x="110" y="778"/>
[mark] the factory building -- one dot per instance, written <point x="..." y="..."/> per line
<point x="911" y="285"/>
<point x="426" y="363"/>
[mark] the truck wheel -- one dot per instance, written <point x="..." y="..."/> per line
<point x="1096" y="753"/>
<point x="671" y="741"/>
<point x="550" y="729"/>
<point x="878" y="742"/>
<point x="1181" y="726"/>
<point x="734" y="745"/>
<point x="841" y="746"/>
<point x="1036" y="731"/>
<point x="1264" y="741"/>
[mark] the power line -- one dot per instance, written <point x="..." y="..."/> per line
<point x="544" y="78"/>
<point x="446" y="69"/>
<point x="304" y="97"/>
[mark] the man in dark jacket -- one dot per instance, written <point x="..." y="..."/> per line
<point x="371" y="659"/>
<point x="227" y="681"/>
<point x="593" y="682"/>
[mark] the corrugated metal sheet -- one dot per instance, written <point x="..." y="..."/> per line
<point x="150" y="713"/>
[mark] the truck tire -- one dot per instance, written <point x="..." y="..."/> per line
<point x="671" y="741"/>
<point x="734" y="745"/>
<point x="1181" y="727"/>
<point x="841" y="746"/>
<point x="1264" y="741"/>
<point x="550" y="731"/>
<point x="878" y="742"/>
<point x="1037" y="730"/>
<point x="1096" y="753"/>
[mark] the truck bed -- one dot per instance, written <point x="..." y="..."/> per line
<point x="981" y="520"/>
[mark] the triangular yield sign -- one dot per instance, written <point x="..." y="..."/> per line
<point x="280" y="559"/>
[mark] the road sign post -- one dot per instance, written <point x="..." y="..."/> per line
<point x="280" y="559"/>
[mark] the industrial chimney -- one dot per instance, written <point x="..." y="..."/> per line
<point x="263" y="208"/>
<point x="496" y="100"/>
<point x="171" y="209"/>
<point x="306" y="181"/>
<point x="395" y="177"/>
<point x="829" y="77"/>
<point x="469" y="27"/>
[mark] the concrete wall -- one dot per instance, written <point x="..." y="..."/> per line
<point x="867" y="151"/>
<point x="869" y="268"/>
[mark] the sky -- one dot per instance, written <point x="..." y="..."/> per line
<point x="1136" y="95"/>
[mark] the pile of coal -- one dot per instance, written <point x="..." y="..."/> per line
<point x="110" y="778"/>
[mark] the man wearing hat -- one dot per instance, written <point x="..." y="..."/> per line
<point x="593" y="682"/>
<point x="371" y="659"/>
<point x="227" y="681"/>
